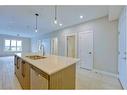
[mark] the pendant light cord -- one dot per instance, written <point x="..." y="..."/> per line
<point x="55" y="12"/>
<point x="36" y="20"/>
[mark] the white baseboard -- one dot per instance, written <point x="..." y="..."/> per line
<point x="104" y="72"/>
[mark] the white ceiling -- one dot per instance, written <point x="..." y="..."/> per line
<point x="21" y="19"/>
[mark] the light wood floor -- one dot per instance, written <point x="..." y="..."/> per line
<point x="84" y="79"/>
<point x="8" y="79"/>
<point x="89" y="80"/>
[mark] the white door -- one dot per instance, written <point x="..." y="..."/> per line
<point x="122" y="66"/>
<point x="71" y="46"/>
<point x="54" y="46"/>
<point x="86" y="49"/>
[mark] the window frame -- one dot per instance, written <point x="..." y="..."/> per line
<point x="10" y="46"/>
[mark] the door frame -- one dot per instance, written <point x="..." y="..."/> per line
<point x="52" y="44"/>
<point x="90" y="30"/>
<point x="76" y="45"/>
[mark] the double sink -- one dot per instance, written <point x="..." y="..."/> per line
<point x="36" y="57"/>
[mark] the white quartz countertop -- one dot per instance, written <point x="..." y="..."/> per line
<point x="51" y="63"/>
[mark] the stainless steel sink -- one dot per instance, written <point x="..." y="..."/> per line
<point x="36" y="57"/>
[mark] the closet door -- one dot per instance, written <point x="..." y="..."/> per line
<point x="86" y="49"/>
<point x="122" y="66"/>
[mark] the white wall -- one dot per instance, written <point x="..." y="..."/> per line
<point x="105" y="42"/>
<point x="45" y="39"/>
<point x="26" y="43"/>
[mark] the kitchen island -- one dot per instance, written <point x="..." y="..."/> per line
<point x="35" y="71"/>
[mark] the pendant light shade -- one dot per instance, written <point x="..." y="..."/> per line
<point x="36" y="27"/>
<point x="55" y="21"/>
<point x="35" y="30"/>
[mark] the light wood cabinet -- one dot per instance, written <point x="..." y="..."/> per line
<point x="18" y="68"/>
<point x="25" y="73"/>
<point x="22" y="71"/>
<point x="38" y="80"/>
<point x="64" y="79"/>
<point x="30" y="77"/>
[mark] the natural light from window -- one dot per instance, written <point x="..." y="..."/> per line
<point x="13" y="45"/>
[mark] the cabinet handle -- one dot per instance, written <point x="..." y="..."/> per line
<point x="39" y="75"/>
<point x="18" y="63"/>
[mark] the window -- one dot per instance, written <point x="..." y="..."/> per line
<point x="19" y="45"/>
<point x="13" y="45"/>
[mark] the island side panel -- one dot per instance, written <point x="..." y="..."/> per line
<point x="64" y="79"/>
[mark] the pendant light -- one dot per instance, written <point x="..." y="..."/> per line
<point x="55" y="20"/>
<point x="36" y="27"/>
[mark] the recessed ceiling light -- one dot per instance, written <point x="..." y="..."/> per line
<point x="60" y="24"/>
<point x="81" y="16"/>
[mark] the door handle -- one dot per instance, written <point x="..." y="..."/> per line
<point x="90" y="52"/>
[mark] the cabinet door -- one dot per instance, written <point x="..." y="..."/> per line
<point x="25" y="74"/>
<point x="18" y="68"/>
<point x="37" y="80"/>
<point x="22" y="71"/>
<point x="15" y="63"/>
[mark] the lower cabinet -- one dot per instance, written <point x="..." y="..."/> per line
<point x="22" y="71"/>
<point x="25" y="73"/>
<point x="64" y="79"/>
<point x="30" y="77"/>
<point x="18" y="63"/>
<point x="38" y="79"/>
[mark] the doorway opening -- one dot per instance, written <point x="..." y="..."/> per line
<point x="54" y="46"/>
<point x="71" y="46"/>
